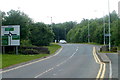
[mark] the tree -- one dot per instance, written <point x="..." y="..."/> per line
<point x="18" y="18"/>
<point x="80" y="32"/>
<point x="61" y="29"/>
<point x="41" y="34"/>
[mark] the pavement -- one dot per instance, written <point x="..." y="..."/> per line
<point x="114" y="60"/>
<point x="73" y="61"/>
<point x="111" y="59"/>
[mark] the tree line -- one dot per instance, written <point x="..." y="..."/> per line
<point x="40" y="34"/>
<point x="31" y="33"/>
<point x="79" y="33"/>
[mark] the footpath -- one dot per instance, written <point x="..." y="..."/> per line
<point x="112" y="59"/>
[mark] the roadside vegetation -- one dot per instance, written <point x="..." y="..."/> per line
<point x="38" y="34"/>
<point x="79" y="33"/>
<point x="118" y="47"/>
<point x="0" y="61"/>
<point x="12" y="59"/>
<point x="72" y="32"/>
<point x="107" y="52"/>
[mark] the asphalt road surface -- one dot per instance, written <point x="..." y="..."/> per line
<point x="73" y="61"/>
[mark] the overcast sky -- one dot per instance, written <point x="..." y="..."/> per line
<point x="60" y="10"/>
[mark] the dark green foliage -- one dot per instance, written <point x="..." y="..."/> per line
<point x="80" y="32"/>
<point x="61" y="29"/>
<point x="41" y="34"/>
<point x="18" y="18"/>
<point x="30" y="33"/>
<point x="30" y="51"/>
<point x="34" y="50"/>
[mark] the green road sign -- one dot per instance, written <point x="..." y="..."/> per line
<point x="15" y="37"/>
<point x="9" y="29"/>
<point x="10" y="35"/>
<point x="4" y="40"/>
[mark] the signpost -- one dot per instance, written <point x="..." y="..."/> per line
<point x="107" y="34"/>
<point x="11" y="36"/>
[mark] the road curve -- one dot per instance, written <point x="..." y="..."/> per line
<point x="74" y="61"/>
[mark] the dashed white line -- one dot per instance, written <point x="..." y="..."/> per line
<point x="54" y="74"/>
<point x="57" y="65"/>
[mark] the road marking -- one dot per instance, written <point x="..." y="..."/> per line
<point x="110" y="75"/>
<point x="98" y="76"/>
<point x="95" y="55"/>
<point x="32" y="62"/>
<point x="102" y="69"/>
<point x="103" y="73"/>
<point x="54" y="74"/>
<point x="57" y="65"/>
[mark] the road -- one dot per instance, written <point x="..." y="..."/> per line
<point x="73" y="61"/>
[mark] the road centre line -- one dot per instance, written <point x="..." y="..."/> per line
<point x="57" y="65"/>
<point x="31" y="62"/>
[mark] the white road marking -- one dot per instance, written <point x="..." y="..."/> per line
<point x="31" y="62"/>
<point x="54" y="74"/>
<point x="110" y="75"/>
<point x="56" y="65"/>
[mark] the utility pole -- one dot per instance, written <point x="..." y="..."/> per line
<point x="104" y="27"/>
<point x="109" y="25"/>
<point x="88" y="32"/>
<point x="65" y="33"/>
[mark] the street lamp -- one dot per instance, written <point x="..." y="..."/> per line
<point x="109" y="25"/>
<point x="88" y="32"/>
<point x="104" y="28"/>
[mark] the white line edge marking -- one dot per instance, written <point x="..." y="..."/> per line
<point x="31" y="62"/>
<point x="110" y="75"/>
<point x="57" y="65"/>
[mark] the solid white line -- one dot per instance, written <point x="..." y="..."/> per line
<point x="31" y="62"/>
<point x="110" y="75"/>
<point x="57" y="65"/>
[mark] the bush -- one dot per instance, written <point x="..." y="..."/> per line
<point x="26" y="43"/>
<point x="34" y="50"/>
<point x="30" y="51"/>
<point x="114" y="49"/>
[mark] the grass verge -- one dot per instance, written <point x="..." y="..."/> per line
<point x="119" y="48"/>
<point x="107" y="52"/>
<point x="88" y="43"/>
<point x="12" y="59"/>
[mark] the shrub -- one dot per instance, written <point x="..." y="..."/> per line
<point x="30" y="51"/>
<point x="26" y="43"/>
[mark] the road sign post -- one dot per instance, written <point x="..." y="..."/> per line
<point x="10" y="36"/>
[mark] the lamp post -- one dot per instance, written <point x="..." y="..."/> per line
<point x="104" y="28"/>
<point x="88" y="32"/>
<point x="109" y="25"/>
